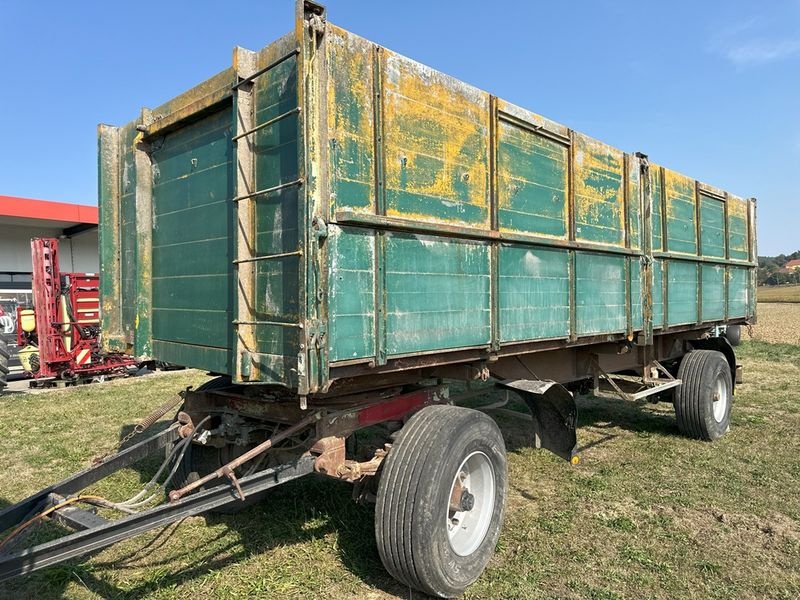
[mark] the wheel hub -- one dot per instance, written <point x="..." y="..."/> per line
<point x="470" y="504"/>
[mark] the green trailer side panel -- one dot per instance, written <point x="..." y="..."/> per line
<point x="637" y="316"/>
<point x="737" y="228"/>
<point x="127" y="236"/>
<point x="738" y="296"/>
<point x="192" y="243"/>
<point x="656" y="214"/>
<point x="277" y="217"/>
<point x="713" y="291"/>
<point x="352" y="293"/>
<point x="533" y="178"/>
<point x="435" y="145"/>
<point x="533" y="293"/>
<point x="712" y="227"/>
<point x="599" y="198"/>
<point x="351" y="121"/>
<point x="681" y="292"/>
<point x="634" y="203"/>
<point x="658" y="293"/>
<point x="437" y="293"/>
<point x="600" y="293"/>
<point x="681" y="218"/>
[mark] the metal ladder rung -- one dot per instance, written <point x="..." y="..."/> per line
<point x="279" y="323"/>
<point x="267" y="123"/>
<point x="268" y="257"/>
<point x="274" y="188"/>
<point x="263" y="70"/>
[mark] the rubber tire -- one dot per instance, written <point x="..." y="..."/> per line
<point x="694" y="398"/>
<point x="4" y="356"/>
<point x="734" y="334"/>
<point x="413" y="494"/>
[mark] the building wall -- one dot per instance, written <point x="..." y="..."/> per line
<point x="78" y="254"/>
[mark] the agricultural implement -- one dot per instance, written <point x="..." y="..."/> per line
<point x="59" y="339"/>
<point x="337" y="231"/>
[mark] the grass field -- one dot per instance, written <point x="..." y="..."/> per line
<point x="647" y="513"/>
<point x="778" y="293"/>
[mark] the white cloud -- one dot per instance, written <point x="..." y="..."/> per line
<point x="759" y="51"/>
<point x="754" y="41"/>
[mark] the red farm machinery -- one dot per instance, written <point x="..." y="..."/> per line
<point x="59" y="338"/>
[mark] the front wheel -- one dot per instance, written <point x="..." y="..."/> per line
<point x="441" y="500"/>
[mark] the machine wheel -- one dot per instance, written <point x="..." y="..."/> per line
<point x="441" y="499"/>
<point x="4" y="356"/>
<point x="703" y="401"/>
<point x="734" y="334"/>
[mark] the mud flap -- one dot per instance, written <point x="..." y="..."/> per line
<point x="555" y="415"/>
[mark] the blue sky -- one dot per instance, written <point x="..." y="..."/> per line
<point x="711" y="89"/>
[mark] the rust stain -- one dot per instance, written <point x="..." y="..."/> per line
<point x="436" y="135"/>
<point x="598" y="183"/>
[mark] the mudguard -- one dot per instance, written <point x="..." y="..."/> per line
<point x="555" y="414"/>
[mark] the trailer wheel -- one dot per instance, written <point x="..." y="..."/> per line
<point x="4" y="356"/>
<point x="441" y="499"/>
<point x="734" y="334"/>
<point x="703" y="401"/>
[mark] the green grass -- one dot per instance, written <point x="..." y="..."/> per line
<point x="778" y="293"/>
<point x="647" y="513"/>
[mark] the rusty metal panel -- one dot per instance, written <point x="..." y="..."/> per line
<point x="435" y="145"/>
<point x="679" y="192"/>
<point x="533" y="293"/>
<point x="351" y="121"/>
<point x="599" y="194"/>
<point x="600" y="293"/>
<point x="437" y="293"/>
<point x="682" y="292"/>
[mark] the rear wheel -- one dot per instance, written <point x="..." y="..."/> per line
<point x="704" y="398"/>
<point x="441" y="499"/>
<point x="734" y="334"/>
<point x="4" y="356"/>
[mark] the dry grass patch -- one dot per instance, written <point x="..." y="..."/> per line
<point x="777" y="323"/>
<point x="778" y="293"/>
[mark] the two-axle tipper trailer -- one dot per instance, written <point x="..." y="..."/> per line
<point x="335" y="230"/>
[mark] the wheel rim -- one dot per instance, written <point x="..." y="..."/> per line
<point x="721" y="399"/>
<point x="470" y="504"/>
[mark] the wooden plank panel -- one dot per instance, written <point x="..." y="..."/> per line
<point x="738" y="292"/>
<point x="712" y="228"/>
<point x="713" y="278"/>
<point x="351" y="121"/>
<point x="599" y="196"/>
<point x="737" y="228"/>
<point x="656" y="214"/>
<point x="681" y="292"/>
<point x="533" y="177"/>
<point x="681" y="218"/>
<point x="437" y="293"/>
<point x="533" y="293"/>
<point x="658" y="294"/>
<point x="352" y="293"/>
<point x="435" y="145"/>
<point x="600" y="293"/>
